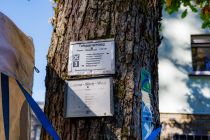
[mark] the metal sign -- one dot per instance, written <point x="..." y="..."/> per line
<point x="92" y="97"/>
<point x="92" y="57"/>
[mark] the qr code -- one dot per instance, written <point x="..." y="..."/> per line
<point x="76" y="60"/>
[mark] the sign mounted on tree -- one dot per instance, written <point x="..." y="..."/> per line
<point x="92" y="57"/>
<point x="147" y="109"/>
<point x="89" y="97"/>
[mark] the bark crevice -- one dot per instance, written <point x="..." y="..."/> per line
<point x="135" y="26"/>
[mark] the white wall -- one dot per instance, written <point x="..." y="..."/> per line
<point x="180" y="93"/>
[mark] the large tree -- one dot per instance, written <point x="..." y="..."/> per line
<point x="134" y="24"/>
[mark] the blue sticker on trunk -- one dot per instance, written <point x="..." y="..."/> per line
<point x="145" y="81"/>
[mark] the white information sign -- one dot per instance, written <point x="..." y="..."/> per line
<point x="92" y="97"/>
<point x="92" y="57"/>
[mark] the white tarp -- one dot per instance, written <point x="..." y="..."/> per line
<point x="16" y="61"/>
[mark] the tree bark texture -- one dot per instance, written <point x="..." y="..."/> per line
<point x="135" y="26"/>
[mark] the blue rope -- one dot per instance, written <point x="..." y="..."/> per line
<point x="5" y="103"/>
<point x="39" y="114"/>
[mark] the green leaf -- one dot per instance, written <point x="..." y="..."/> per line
<point x="193" y="8"/>
<point x="184" y="14"/>
<point x="203" y="10"/>
<point x="206" y="23"/>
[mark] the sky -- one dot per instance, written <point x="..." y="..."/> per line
<point x="32" y="17"/>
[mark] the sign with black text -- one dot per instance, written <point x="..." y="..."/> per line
<point x="89" y="97"/>
<point x="92" y="57"/>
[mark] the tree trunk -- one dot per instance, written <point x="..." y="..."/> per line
<point x="135" y="26"/>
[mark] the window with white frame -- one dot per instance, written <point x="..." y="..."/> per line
<point x="200" y="45"/>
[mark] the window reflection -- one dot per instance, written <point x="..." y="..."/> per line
<point x="201" y="59"/>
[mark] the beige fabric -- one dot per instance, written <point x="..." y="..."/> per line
<point x="19" y="114"/>
<point x="16" y="61"/>
<point x="16" y="52"/>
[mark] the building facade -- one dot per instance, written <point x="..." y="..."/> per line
<point x="35" y="124"/>
<point x="184" y="78"/>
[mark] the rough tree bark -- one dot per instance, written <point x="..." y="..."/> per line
<point x="135" y="26"/>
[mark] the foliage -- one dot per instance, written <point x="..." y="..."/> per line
<point x="202" y="7"/>
<point x="54" y="3"/>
